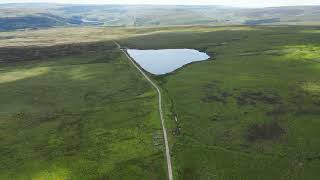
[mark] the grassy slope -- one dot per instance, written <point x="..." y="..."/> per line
<point x="253" y="112"/>
<point x="77" y="35"/>
<point x="72" y="35"/>
<point x="78" y="118"/>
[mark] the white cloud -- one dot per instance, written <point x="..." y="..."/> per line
<point x="238" y="3"/>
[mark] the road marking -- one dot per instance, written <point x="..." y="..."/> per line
<point x="160" y="111"/>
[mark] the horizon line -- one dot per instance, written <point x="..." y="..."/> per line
<point x="150" y="4"/>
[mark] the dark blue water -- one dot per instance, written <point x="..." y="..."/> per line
<point x="165" y="60"/>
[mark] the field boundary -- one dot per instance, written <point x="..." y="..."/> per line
<point x="165" y="136"/>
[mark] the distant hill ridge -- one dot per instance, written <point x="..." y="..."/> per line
<point x="42" y="15"/>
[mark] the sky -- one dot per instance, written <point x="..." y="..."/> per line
<point x="234" y="3"/>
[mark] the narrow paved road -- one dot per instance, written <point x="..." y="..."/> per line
<point x="160" y="111"/>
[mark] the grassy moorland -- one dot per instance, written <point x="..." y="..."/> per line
<point x="73" y="35"/>
<point x="78" y="117"/>
<point x="252" y="111"/>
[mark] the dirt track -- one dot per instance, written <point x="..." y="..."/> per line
<point x="168" y="157"/>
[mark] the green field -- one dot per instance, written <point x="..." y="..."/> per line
<point x="250" y="113"/>
<point x="253" y="111"/>
<point x="78" y="117"/>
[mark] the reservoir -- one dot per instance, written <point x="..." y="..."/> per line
<point x="164" y="61"/>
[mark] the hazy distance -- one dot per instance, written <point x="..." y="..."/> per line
<point x="238" y="3"/>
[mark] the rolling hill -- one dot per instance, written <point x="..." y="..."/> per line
<point x="21" y="16"/>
